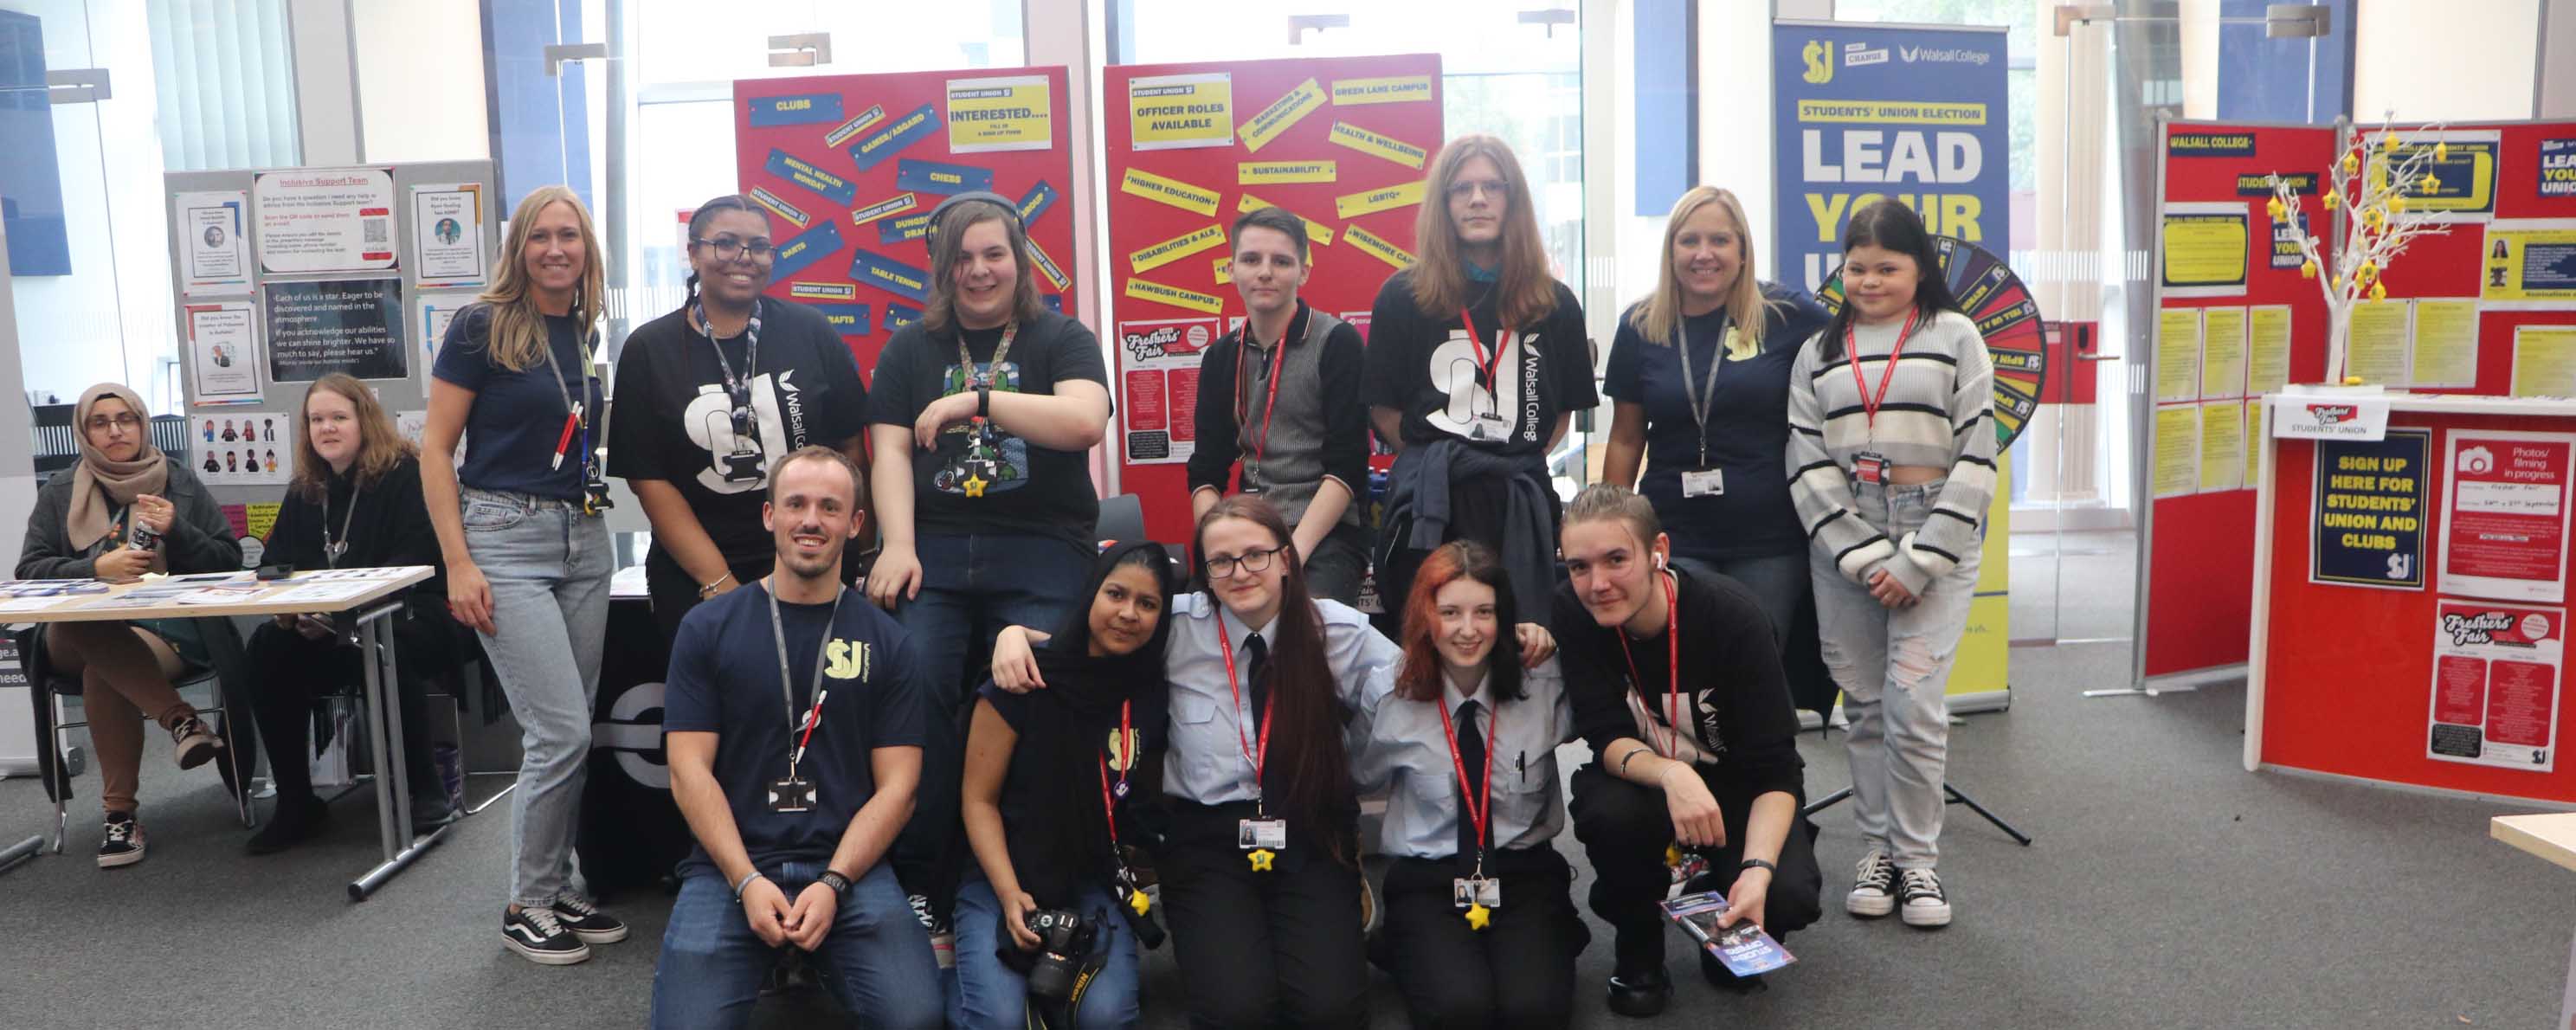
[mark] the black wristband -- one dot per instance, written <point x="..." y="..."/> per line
<point x="840" y="884"/>
<point x="1756" y="863"/>
<point x="984" y="402"/>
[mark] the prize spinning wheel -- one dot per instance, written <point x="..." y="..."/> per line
<point x="1996" y="300"/>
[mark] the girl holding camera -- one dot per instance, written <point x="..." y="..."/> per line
<point x="1056" y="789"/>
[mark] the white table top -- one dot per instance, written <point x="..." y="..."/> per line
<point x="2444" y="403"/>
<point x="2551" y="835"/>
<point x="185" y="597"/>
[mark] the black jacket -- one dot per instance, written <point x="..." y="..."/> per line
<point x="388" y="526"/>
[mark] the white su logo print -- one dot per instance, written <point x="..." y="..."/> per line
<point x="735" y="465"/>
<point x="1455" y="372"/>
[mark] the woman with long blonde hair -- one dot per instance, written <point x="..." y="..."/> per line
<point x="519" y="528"/>
<point x="1477" y="362"/>
<point x="354" y="502"/>
<point x="1699" y="383"/>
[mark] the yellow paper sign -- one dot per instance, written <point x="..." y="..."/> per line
<point x="987" y="115"/>
<point x="2254" y="437"/>
<point x="2205" y="249"/>
<point x="2177" y="469"/>
<point x="1318" y="232"/>
<point x="2512" y="274"/>
<point x="2446" y="343"/>
<point x="1176" y="248"/>
<point x="2222" y="361"/>
<point x="1259" y="173"/>
<point x="261" y="516"/>
<point x="822" y="291"/>
<point x="1140" y="289"/>
<point x="2378" y="351"/>
<point x="1400" y="90"/>
<point x="1193" y="199"/>
<point x="2544" y="361"/>
<point x="1353" y="205"/>
<point x="1366" y="142"/>
<point x="779" y="206"/>
<point x="2178" y="354"/>
<point x="2267" y="350"/>
<point x="2222" y="446"/>
<point x="1172" y="112"/>
<point x="896" y="204"/>
<point x="1225" y="270"/>
<point x="1378" y="247"/>
<point x="1047" y="266"/>
<point x="1282" y="113"/>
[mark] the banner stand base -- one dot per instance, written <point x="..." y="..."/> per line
<point x="2178" y="683"/>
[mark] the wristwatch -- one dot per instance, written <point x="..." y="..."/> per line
<point x="840" y="884"/>
<point x="1755" y="863"/>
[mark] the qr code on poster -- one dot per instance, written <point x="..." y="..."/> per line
<point x="376" y="230"/>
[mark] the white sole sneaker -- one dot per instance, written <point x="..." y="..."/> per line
<point x="600" y="936"/>
<point x="1929" y="917"/>
<point x="1871" y="904"/>
<point x="549" y="958"/>
<point x="126" y="859"/>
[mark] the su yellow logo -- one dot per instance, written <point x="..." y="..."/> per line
<point x="846" y="660"/>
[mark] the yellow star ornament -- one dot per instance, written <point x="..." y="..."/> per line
<point x="974" y="486"/>
<point x="1140" y="902"/>
<point x="1261" y="858"/>
<point x="1479" y="917"/>
<point x="1673" y="856"/>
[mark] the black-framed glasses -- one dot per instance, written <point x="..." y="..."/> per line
<point x="727" y="248"/>
<point x="1249" y="561"/>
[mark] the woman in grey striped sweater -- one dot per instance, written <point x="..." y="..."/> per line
<point x="1891" y="466"/>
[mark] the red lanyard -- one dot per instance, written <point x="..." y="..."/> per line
<point x="1851" y="335"/>
<point x="1484" y="362"/>
<point x="812" y="719"/>
<point x="1278" y="360"/>
<point x="1267" y="703"/>
<point x="1480" y="809"/>
<point x="1672" y="666"/>
<point x="1127" y="743"/>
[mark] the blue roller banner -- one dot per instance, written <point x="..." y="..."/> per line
<point x="1870" y="112"/>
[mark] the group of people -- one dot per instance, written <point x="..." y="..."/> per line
<point x="1165" y="738"/>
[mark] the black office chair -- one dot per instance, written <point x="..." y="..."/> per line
<point x="1122" y="519"/>
<point x="54" y="726"/>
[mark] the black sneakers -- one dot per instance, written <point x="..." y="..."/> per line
<point x="586" y="921"/>
<point x="1926" y="904"/>
<point x="292" y="822"/>
<point x="539" y="937"/>
<point x="194" y="743"/>
<point x="1640" y="994"/>
<point x="123" y="842"/>
<point x="1873" y="892"/>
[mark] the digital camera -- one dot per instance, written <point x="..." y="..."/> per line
<point x="1064" y="952"/>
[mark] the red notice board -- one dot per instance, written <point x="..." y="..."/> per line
<point x="2197" y="552"/>
<point x="1342" y="142"/>
<point x="850" y="167"/>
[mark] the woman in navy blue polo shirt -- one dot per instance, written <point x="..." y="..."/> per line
<point x="1699" y="380"/>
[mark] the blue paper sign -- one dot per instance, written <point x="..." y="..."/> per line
<point x="806" y="248"/>
<point x="912" y="128"/>
<point x="801" y="109"/>
<point x="846" y="319"/>
<point x="940" y="177"/>
<point x="898" y="316"/>
<point x="811" y="176"/>
<point x="890" y="275"/>
<point x="1036" y="202"/>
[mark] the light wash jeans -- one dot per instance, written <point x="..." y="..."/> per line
<point x="1893" y="665"/>
<point x="548" y="565"/>
<point x="992" y="994"/>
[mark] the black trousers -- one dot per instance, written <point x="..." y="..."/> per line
<point x="1625" y="828"/>
<point x="1261" y="949"/>
<point x="1517" y="972"/>
<point x="288" y="672"/>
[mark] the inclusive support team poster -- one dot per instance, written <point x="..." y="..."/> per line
<point x="1918" y="115"/>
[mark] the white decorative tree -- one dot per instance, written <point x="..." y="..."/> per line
<point x="2370" y="187"/>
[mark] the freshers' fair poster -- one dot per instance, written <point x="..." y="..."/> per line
<point x="2367" y="526"/>
<point x="2496" y="673"/>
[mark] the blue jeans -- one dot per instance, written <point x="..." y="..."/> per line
<point x="876" y="959"/>
<point x="548" y="566"/>
<point x="992" y="994"/>
<point x="1894" y="667"/>
<point x="1778" y="581"/>
<point x="971" y="587"/>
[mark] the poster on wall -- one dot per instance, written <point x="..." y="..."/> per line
<point x="214" y="242"/>
<point x="2504" y="524"/>
<point x="436" y="311"/>
<point x="2496" y="672"/>
<point x="2207" y="248"/>
<point x="223" y="349"/>
<point x="2459" y="183"/>
<point x="2557" y="159"/>
<point x="1918" y="114"/>
<point x="347" y="325"/>
<point x="2531" y="259"/>
<point x="2367" y="524"/>
<point x="1175" y="112"/>
<point x="325" y="219"/>
<point x="249" y="449"/>
<point x="447" y="234"/>
<point x="1158" y="363"/>
<point x="849" y="168"/>
<point x="2544" y="361"/>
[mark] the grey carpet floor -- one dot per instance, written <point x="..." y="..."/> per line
<point x="2168" y="888"/>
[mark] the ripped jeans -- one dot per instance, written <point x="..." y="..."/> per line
<point x="1893" y="665"/>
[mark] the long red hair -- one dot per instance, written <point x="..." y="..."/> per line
<point x="1449" y="563"/>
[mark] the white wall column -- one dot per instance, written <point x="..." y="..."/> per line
<point x="321" y="35"/>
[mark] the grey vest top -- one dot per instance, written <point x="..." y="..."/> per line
<point x="1294" y="463"/>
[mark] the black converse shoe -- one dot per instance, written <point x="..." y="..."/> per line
<point x="1925" y="904"/>
<point x="537" y="936"/>
<point x="943" y="938"/>
<point x="193" y="742"/>
<point x="123" y="842"/>
<point x="1873" y="892"/>
<point x="586" y="921"/>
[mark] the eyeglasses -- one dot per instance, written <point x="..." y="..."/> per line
<point x="1251" y="561"/>
<point x="102" y="423"/>
<point x="727" y="248"/>
<point x="1467" y="190"/>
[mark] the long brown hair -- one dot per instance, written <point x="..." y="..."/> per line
<point x="1306" y="709"/>
<point x="1449" y="563"/>
<point x="948" y="243"/>
<point x="1525" y="292"/>
<point x="1659" y="319"/>
<point x="518" y="329"/>
<point x="380" y="446"/>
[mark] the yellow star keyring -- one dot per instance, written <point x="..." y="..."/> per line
<point x="1261" y="858"/>
<point x="1479" y="917"/>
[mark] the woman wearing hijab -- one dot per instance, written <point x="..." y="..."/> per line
<point x="125" y="510"/>
<point x="1048" y="805"/>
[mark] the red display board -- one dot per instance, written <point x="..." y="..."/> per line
<point x="850" y="167"/>
<point x="1342" y="142"/>
<point x="2348" y="679"/>
<point x="2197" y="553"/>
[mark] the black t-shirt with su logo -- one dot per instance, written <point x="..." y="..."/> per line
<point x="1423" y="364"/>
<point x="1011" y="485"/>
<point x="674" y="422"/>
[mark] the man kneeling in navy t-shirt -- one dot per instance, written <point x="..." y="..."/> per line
<point x="794" y="722"/>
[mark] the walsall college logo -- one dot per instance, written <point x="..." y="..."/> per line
<point x="1820" y="61"/>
